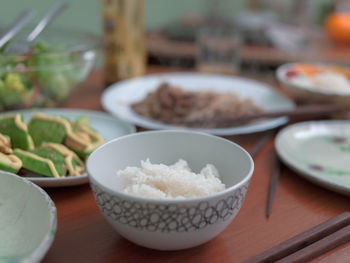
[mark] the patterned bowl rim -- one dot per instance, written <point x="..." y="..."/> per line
<point x="39" y="252"/>
<point x="280" y="75"/>
<point x="167" y="201"/>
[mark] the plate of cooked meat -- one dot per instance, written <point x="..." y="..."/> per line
<point x="196" y="101"/>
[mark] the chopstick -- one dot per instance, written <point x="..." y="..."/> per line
<point x="314" y="110"/>
<point x="309" y="244"/>
<point x="256" y="149"/>
<point x="274" y="178"/>
<point x="318" y="248"/>
<point x="259" y="145"/>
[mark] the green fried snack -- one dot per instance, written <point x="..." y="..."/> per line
<point x="74" y="164"/>
<point x="5" y="144"/>
<point x="56" y="157"/>
<point x="47" y="162"/>
<point x="45" y="128"/>
<point x="10" y="163"/>
<point x="81" y="121"/>
<point x="83" y="139"/>
<point x="13" y="126"/>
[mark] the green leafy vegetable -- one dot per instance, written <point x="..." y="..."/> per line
<point x="46" y="69"/>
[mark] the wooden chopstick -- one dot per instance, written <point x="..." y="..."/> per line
<point x="316" y="240"/>
<point x="274" y="178"/>
<point x="319" y="247"/>
<point x="256" y="149"/>
<point x="314" y="110"/>
<point x="260" y="144"/>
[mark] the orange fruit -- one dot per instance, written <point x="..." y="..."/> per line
<point x="337" y="26"/>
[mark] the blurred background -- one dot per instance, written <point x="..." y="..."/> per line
<point x="86" y="14"/>
<point x="250" y="38"/>
<point x="261" y="22"/>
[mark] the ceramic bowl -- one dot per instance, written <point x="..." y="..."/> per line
<point x="27" y="220"/>
<point x="306" y="95"/>
<point x="177" y="223"/>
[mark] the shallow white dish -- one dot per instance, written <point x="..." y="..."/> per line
<point x="118" y="97"/>
<point x="319" y="151"/>
<point x="108" y="126"/>
<point x="304" y="93"/>
<point x="282" y="76"/>
<point x="28" y="220"/>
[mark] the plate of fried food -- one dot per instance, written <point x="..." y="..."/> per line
<point x="195" y="101"/>
<point x="50" y="146"/>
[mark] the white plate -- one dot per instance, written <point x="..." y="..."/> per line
<point x="319" y="151"/>
<point x="109" y="127"/>
<point x="302" y="82"/>
<point x="118" y="98"/>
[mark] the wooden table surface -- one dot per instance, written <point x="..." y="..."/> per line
<point x="319" y="49"/>
<point x="83" y="235"/>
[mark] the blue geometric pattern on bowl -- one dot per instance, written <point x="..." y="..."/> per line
<point x="168" y="217"/>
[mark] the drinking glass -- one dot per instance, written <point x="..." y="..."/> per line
<point x="218" y="50"/>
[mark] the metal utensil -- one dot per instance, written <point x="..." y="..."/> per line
<point x="17" y="25"/>
<point x="23" y="47"/>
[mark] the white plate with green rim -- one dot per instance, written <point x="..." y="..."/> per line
<point x="319" y="151"/>
<point x="108" y="126"/>
<point x="117" y="99"/>
<point x="28" y="220"/>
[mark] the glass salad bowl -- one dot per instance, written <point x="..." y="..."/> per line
<point x="47" y="74"/>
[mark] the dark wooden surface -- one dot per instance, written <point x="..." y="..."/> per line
<point x="319" y="49"/>
<point x="84" y="236"/>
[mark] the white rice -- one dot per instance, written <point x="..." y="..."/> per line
<point x="331" y="81"/>
<point x="328" y="81"/>
<point x="177" y="181"/>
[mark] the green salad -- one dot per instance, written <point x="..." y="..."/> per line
<point x="44" y="76"/>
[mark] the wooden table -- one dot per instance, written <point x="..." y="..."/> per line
<point x="320" y="49"/>
<point x="83" y="235"/>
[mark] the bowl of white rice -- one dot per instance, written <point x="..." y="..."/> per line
<point x="171" y="189"/>
<point x="315" y="82"/>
